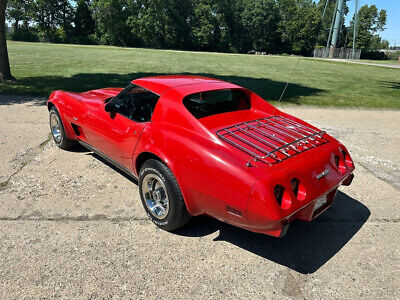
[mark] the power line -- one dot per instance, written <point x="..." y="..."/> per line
<point x="326" y="5"/>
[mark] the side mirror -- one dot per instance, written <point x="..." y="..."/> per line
<point x="110" y="107"/>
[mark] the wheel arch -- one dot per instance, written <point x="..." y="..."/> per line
<point x="53" y="102"/>
<point x="53" y="99"/>
<point x="146" y="155"/>
<point x="50" y="105"/>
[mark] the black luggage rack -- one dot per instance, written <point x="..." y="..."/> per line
<point x="273" y="139"/>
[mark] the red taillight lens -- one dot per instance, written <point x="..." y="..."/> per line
<point x="339" y="163"/>
<point x="298" y="189"/>
<point x="347" y="160"/>
<point x="336" y="159"/>
<point x="278" y="192"/>
<point x="282" y="197"/>
<point x="295" y="186"/>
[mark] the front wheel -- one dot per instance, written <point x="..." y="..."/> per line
<point x="161" y="196"/>
<point x="58" y="131"/>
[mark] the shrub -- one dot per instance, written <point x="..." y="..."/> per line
<point x="26" y="35"/>
<point x="392" y="55"/>
<point x="374" y="55"/>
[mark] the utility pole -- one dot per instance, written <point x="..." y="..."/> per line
<point x="330" y="30"/>
<point x="355" y="29"/>
<point x="336" y="28"/>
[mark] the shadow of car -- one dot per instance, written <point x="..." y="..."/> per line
<point x="305" y="248"/>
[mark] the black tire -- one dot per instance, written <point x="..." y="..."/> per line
<point x="177" y="214"/>
<point x="61" y="141"/>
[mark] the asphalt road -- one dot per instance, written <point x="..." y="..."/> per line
<point x="71" y="226"/>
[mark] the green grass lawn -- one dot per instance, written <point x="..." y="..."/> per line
<point x="42" y="68"/>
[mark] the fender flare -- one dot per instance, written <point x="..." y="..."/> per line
<point x="68" y="128"/>
<point x="148" y="153"/>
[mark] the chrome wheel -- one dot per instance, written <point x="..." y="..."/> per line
<point x="55" y="127"/>
<point x="155" y="196"/>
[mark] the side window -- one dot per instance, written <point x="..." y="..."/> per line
<point x="136" y="103"/>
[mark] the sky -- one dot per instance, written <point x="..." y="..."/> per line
<point x="392" y="7"/>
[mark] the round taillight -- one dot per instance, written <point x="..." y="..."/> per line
<point x="298" y="189"/>
<point x="282" y="197"/>
<point x="347" y="160"/>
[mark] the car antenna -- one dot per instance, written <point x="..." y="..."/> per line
<point x="287" y="83"/>
<point x="248" y="164"/>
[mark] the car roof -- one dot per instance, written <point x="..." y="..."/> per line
<point x="159" y="84"/>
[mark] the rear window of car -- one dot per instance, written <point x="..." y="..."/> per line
<point x="209" y="103"/>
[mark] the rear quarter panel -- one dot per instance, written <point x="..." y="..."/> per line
<point x="209" y="177"/>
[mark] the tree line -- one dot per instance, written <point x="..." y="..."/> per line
<point x="271" y="26"/>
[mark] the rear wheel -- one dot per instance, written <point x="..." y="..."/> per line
<point x="58" y="131"/>
<point x="161" y="196"/>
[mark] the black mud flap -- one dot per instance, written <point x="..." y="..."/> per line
<point x="284" y="230"/>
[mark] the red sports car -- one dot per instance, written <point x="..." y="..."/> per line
<point x="204" y="146"/>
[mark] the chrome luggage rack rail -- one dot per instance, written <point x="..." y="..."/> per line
<point x="273" y="139"/>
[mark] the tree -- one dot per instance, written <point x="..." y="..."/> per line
<point x="206" y="30"/>
<point x="260" y="20"/>
<point x="300" y="24"/>
<point x="66" y="15"/>
<point x="48" y="14"/>
<point x="383" y="44"/>
<point x="5" y="72"/>
<point x="53" y="19"/>
<point x="112" y="21"/>
<point x="151" y="23"/>
<point x="370" y="22"/>
<point x="179" y="16"/>
<point x="229" y="14"/>
<point x="21" y="11"/>
<point x="16" y="11"/>
<point x="84" y="23"/>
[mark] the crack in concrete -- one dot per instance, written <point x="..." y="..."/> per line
<point x="29" y="157"/>
<point x="80" y="218"/>
<point x="3" y="185"/>
<point x="386" y="220"/>
<point x="369" y="169"/>
<point x="355" y="221"/>
<point x="101" y="217"/>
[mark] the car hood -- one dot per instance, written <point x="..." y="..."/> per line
<point x="99" y="96"/>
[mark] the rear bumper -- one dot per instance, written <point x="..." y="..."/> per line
<point x="307" y="213"/>
<point x="348" y="180"/>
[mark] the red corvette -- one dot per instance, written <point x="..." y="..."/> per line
<point x="204" y="146"/>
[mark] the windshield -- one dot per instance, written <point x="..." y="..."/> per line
<point x="205" y="104"/>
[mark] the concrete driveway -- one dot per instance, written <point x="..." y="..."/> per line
<point x="72" y="226"/>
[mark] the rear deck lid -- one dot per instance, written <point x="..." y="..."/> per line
<point x="272" y="139"/>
